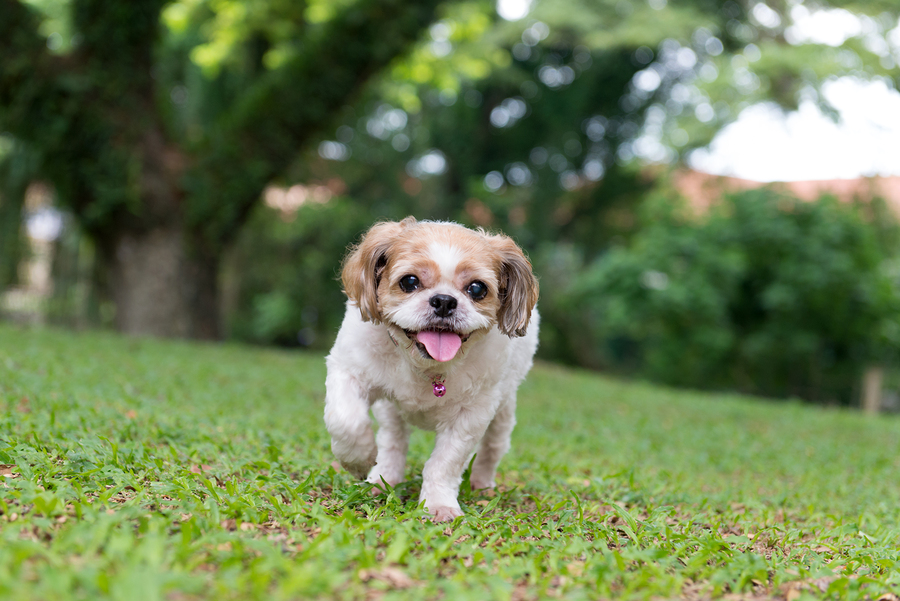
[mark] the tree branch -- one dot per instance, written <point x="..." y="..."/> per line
<point x="331" y="67"/>
<point x="262" y="135"/>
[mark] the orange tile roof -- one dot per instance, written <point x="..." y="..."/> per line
<point x="703" y="189"/>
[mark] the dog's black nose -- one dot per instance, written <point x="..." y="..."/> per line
<point x="443" y="304"/>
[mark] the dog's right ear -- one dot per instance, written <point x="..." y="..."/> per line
<point x="365" y="263"/>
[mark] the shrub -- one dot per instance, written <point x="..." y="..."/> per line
<point x="765" y="294"/>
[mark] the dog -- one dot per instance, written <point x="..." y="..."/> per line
<point x="441" y="327"/>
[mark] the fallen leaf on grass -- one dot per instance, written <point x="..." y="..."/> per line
<point x="793" y="590"/>
<point x="389" y="575"/>
<point x="6" y="470"/>
<point x="199" y="469"/>
<point x="576" y="568"/>
<point x="521" y="592"/>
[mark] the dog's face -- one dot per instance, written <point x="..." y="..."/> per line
<point x="440" y="284"/>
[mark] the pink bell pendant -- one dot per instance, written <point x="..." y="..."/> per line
<point x="438" y="385"/>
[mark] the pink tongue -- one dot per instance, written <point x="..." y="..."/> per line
<point x="442" y="346"/>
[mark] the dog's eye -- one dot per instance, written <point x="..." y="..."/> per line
<point x="409" y="283"/>
<point x="477" y="290"/>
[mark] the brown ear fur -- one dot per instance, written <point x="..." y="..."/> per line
<point x="518" y="288"/>
<point x="363" y="266"/>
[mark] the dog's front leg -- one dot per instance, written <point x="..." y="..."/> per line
<point x="347" y="420"/>
<point x="442" y="474"/>
<point x="393" y="441"/>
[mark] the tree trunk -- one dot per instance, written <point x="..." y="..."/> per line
<point x="163" y="278"/>
<point x="873" y="380"/>
<point x="162" y="286"/>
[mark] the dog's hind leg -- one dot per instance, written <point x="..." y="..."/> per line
<point x="347" y="420"/>
<point x="494" y="445"/>
<point x="393" y="441"/>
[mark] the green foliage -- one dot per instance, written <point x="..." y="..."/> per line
<point x="463" y="46"/>
<point x="147" y="118"/>
<point x="176" y="115"/>
<point x="767" y="294"/>
<point x="567" y="170"/>
<point x="141" y="469"/>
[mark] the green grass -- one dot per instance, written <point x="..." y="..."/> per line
<point x="141" y="470"/>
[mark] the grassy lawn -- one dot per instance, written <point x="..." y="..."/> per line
<point x="146" y="470"/>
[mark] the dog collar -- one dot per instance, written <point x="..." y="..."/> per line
<point x="391" y="336"/>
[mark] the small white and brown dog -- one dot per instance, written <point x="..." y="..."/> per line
<point x="439" y="332"/>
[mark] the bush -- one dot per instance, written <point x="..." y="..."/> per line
<point x="766" y="294"/>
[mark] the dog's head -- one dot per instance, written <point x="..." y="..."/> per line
<point x="440" y="283"/>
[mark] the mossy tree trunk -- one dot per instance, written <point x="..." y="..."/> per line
<point x="161" y="286"/>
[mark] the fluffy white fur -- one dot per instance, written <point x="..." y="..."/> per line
<point x="377" y="365"/>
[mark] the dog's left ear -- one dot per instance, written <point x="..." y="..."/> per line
<point x="518" y="287"/>
<point x="363" y="267"/>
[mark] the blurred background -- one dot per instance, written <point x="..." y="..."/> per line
<point x="708" y="190"/>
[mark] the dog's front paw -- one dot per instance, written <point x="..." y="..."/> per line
<point x="445" y="514"/>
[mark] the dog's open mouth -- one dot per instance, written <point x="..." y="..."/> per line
<point x="440" y="345"/>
